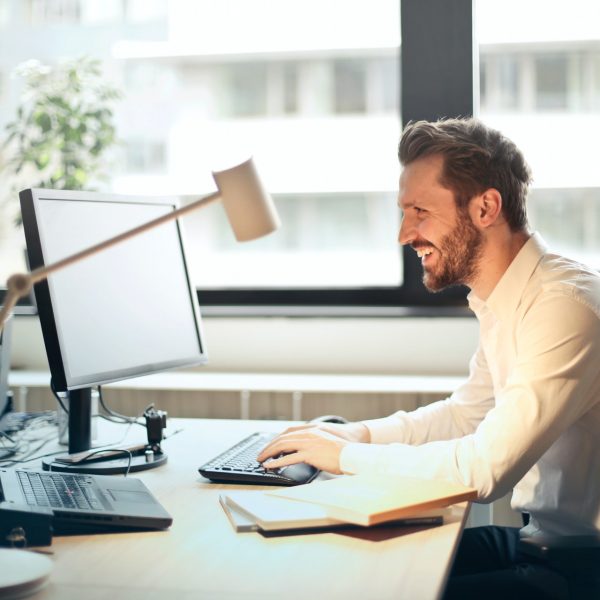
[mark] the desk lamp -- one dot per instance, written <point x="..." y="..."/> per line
<point x="248" y="206"/>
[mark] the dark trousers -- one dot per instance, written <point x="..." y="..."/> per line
<point x="488" y="565"/>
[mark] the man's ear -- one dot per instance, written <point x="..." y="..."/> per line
<point x="486" y="208"/>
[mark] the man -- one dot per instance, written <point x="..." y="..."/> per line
<point x="528" y="417"/>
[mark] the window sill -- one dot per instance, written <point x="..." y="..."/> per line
<point x="336" y="311"/>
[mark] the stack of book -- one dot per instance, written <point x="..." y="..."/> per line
<point x="354" y="500"/>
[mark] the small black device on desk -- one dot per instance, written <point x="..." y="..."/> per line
<point x="22" y="526"/>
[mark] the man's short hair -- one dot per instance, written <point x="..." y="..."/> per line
<point x="476" y="158"/>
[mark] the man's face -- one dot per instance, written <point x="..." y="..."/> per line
<point x="449" y="244"/>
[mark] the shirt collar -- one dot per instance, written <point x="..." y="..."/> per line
<point x="508" y="291"/>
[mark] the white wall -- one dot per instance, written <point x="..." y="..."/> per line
<point x="311" y="345"/>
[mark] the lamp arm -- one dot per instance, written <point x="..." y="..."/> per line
<point x="20" y="284"/>
<point x="17" y="286"/>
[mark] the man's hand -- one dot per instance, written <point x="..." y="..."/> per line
<point x="318" y="445"/>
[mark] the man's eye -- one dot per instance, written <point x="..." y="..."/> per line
<point x="419" y="210"/>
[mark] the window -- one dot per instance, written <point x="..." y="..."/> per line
<point x="144" y="156"/>
<point x="570" y="219"/>
<point x="290" y="84"/>
<point x="350" y="86"/>
<point x="245" y="89"/>
<point x="551" y="81"/>
<point x="4" y="13"/>
<point x="389" y="84"/>
<point x="347" y="234"/>
<point x="140" y="11"/>
<point x="42" y="12"/>
<point x="314" y="97"/>
<point x="595" y="81"/>
<point x="547" y="101"/>
<point x="319" y="113"/>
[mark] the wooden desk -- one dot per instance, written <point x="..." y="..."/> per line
<point x="201" y="557"/>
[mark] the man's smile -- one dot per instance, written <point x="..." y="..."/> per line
<point x="423" y="251"/>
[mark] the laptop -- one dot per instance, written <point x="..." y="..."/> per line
<point x="84" y="503"/>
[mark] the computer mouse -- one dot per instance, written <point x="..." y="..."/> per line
<point x="329" y="419"/>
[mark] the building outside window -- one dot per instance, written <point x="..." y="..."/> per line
<point x="290" y="87"/>
<point x="539" y="85"/>
<point x="350" y="86"/>
<point x="551" y="82"/>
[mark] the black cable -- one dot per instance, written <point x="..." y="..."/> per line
<point x="116" y="417"/>
<point x="5" y="453"/>
<point x="88" y="458"/>
<point x="112" y="416"/>
<point x="7" y="450"/>
<point x="5" y="435"/>
<point x="20" y="444"/>
<point x="58" y="398"/>
<point x="23" y="448"/>
<point x="166" y="437"/>
<point x="28" y="458"/>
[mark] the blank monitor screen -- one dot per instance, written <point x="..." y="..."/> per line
<point x="129" y="310"/>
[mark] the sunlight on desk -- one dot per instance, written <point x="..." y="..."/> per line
<point x="202" y="557"/>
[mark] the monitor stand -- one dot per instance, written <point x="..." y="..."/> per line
<point x="143" y="456"/>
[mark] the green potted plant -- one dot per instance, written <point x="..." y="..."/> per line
<point x="63" y="128"/>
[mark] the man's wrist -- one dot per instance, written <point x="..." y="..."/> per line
<point x="361" y="433"/>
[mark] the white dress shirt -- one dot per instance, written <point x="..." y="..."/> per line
<point x="528" y="417"/>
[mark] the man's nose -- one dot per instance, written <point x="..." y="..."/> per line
<point x="407" y="231"/>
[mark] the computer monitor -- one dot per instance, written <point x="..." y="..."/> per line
<point x="130" y="310"/>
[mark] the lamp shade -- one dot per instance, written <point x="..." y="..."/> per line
<point x="248" y="205"/>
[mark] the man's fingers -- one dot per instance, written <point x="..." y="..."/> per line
<point x="279" y="446"/>
<point x="283" y="461"/>
<point x="314" y="447"/>
<point x="305" y="429"/>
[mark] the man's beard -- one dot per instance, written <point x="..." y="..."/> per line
<point x="458" y="261"/>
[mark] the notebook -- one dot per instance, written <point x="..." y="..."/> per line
<point x="259" y="511"/>
<point x="84" y="503"/>
<point x="273" y="514"/>
<point x="371" y="499"/>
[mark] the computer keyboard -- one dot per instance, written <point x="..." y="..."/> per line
<point x="238" y="465"/>
<point x="57" y="490"/>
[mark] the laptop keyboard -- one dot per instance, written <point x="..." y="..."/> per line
<point x="238" y="465"/>
<point x="58" y="490"/>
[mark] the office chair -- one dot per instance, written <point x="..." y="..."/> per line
<point x="576" y="556"/>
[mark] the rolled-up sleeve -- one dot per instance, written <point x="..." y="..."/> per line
<point x="491" y="444"/>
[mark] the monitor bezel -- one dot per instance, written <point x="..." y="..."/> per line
<point x="30" y="200"/>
